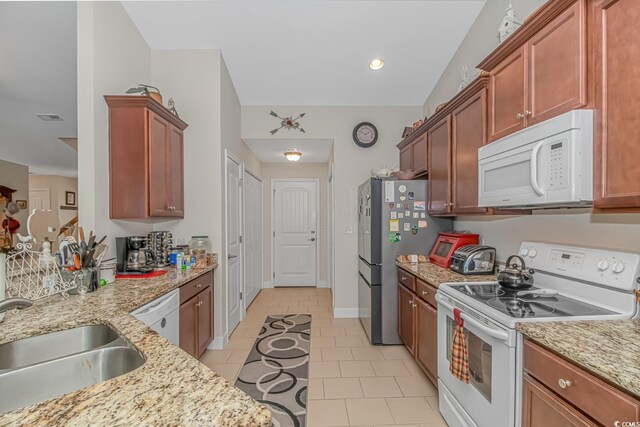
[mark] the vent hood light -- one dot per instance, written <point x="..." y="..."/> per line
<point x="376" y="64"/>
<point x="292" y="155"/>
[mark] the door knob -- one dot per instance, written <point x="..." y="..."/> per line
<point x="313" y="239"/>
<point x="232" y="256"/>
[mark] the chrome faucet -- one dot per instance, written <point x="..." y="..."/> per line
<point x="11" y="303"/>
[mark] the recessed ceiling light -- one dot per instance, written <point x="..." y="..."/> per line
<point x="50" y="117"/>
<point x="292" y="155"/>
<point x="376" y="64"/>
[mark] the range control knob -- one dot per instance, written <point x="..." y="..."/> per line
<point x="617" y="267"/>
<point x="603" y="264"/>
<point x="533" y="253"/>
<point x="524" y="252"/>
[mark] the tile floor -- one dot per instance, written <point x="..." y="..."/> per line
<point x="351" y="382"/>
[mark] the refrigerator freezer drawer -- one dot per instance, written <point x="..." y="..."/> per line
<point x="371" y="273"/>
<point x="369" y="301"/>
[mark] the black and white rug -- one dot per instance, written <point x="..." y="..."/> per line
<point x="276" y="372"/>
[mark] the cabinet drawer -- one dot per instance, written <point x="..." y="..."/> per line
<point x="197" y="285"/>
<point x="426" y="292"/>
<point x="407" y="279"/>
<point x="584" y="390"/>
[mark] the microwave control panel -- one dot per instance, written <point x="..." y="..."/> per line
<point x="558" y="167"/>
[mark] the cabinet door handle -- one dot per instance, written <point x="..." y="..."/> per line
<point x="527" y="113"/>
<point x="199" y="285"/>
<point x="425" y="293"/>
<point x="519" y="116"/>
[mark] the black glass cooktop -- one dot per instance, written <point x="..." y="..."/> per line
<point x="519" y="304"/>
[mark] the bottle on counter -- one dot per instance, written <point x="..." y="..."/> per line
<point x="178" y="261"/>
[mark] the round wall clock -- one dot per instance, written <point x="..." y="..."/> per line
<point x="365" y="135"/>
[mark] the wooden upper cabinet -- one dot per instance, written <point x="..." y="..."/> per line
<point x="419" y="153"/>
<point x="617" y="82"/>
<point x="541" y="70"/>
<point x="469" y="133"/>
<point x="405" y="158"/>
<point x="557" y="66"/>
<point x="440" y="168"/>
<point x="507" y="95"/>
<point x="406" y="313"/>
<point x="145" y="159"/>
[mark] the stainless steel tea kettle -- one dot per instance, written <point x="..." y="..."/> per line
<point x="516" y="275"/>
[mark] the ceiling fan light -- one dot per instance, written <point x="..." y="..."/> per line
<point x="293" y="155"/>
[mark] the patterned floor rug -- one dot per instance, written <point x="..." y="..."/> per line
<point x="276" y="372"/>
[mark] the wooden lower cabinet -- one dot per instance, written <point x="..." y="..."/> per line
<point x="426" y="342"/>
<point x="418" y="323"/>
<point x="196" y="321"/>
<point x="542" y="408"/>
<point x="558" y="393"/>
<point x="406" y="317"/>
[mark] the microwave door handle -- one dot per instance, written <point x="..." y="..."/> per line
<point x="497" y="334"/>
<point x="534" y="169"/>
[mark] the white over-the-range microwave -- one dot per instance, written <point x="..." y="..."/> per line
<point x="549" y="164"/>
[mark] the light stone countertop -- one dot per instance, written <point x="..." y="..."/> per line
<point x="436" y="275"/>
<point x="170" y="388"/>
<point x="609" y="349"/>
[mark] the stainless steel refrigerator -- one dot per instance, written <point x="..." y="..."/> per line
<point x="392" y="220"/>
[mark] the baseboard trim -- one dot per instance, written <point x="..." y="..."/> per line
<point x="267" y="285"/>
<point x="351" y="313"/>
<point x="323" y="284"/>
<point x="218" y="343"/>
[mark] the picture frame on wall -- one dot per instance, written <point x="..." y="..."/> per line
<point x="22" y="204"/>
<point x="70" y="198"/>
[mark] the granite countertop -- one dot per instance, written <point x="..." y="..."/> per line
<point x="170" y="388"/>
<point x="436" y="275"/>
<point x="609" y="349"/>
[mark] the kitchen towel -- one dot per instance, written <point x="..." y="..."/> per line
<point x="459" y="360"/>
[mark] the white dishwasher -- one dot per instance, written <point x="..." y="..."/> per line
<point x="162" y="315"/>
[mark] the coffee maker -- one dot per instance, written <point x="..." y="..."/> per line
<point x="133" y="256"/>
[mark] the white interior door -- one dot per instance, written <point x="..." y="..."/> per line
<point x="40" y="199"/>
<point x="295" y="233"/>
<point x="252" y="236"/>
<point x="330" y="245"/>
<point x="234" y="243"/>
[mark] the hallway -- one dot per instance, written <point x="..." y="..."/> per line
<point x="351" y="382"/>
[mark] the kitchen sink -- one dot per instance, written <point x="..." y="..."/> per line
<point x="49" y="346"/>
<point x="92" y="354"/>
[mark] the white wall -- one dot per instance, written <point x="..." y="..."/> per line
<point x="481" y="39"/>
<point x="272" y="171"/>
<point x="58" y="185"/>
<point x="112" y="57"/>
<point x="16" y="176"/>
<point x="352" y="168"/>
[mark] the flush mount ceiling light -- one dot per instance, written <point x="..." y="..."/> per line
<point x="50" y="117"/>
<point x="292" y="155"/>
<point x="376" y="64"/>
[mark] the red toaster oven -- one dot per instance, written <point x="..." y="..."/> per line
<point x="447" y="244"/>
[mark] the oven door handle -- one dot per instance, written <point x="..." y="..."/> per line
<point x="497" y="334"/>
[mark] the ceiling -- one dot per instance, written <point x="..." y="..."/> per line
<point x="316" y="52"/>
<point x="38" y="76"/>
<point x="272" y="150"/>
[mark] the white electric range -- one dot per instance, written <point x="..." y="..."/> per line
<point x="571" y="283"/>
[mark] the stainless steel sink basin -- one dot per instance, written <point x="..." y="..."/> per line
<point x="91" y="354"/>
<point x="49" y="346"/>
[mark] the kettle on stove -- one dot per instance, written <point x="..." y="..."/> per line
<point x="516" y="275"/>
